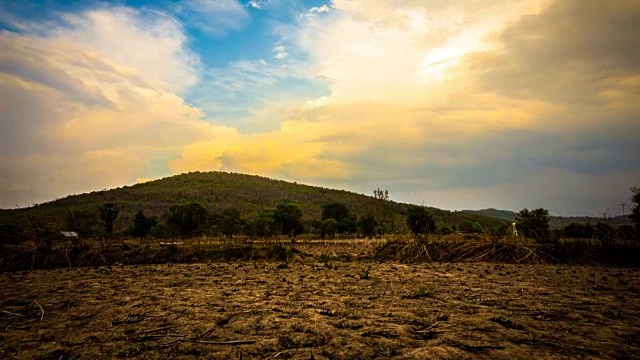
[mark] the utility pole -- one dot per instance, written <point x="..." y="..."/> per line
<point x="622" y="205"/>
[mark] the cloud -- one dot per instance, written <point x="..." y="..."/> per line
<point x="81" y="112"/>
<point x="281" y="52"/>
<point x="572" y="52"/>
<point x="215" y="17"/>
<point x="389" y="51"/>
<point x="446" y="104"/>
<point x="256" y="4"/>
<point x="313" y="12"/>
<point x="150" y="42"/>
<point x="320" y="9"/>
<point x="455" y="104"/>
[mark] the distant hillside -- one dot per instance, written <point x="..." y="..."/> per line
<point x="494" y="213"/>
<point x="557" y="222"/>
<point x="219" y="190"/>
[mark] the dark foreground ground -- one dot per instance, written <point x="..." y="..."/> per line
<point x="348" y="310"/>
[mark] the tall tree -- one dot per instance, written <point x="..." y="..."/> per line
<point x="341" y="214"/>
<point x="367" y="224"/>
<point x="420" y="221"/>
<point x="230" y="221"/>
<point x="188" y="219"/>
<point x="381" y="194"/>
<point x="534" y="224"/>
<point x="142" y="225"/>
<point x="328" y="227"/>
<point x="288" y="219"/>
<point x="108" y="214"/>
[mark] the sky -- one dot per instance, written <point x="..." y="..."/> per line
<point x="462" y="104"/>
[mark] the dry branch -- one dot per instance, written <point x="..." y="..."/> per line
<point x="232" y="342"/>
<point x="41" y="311"/>
<point x="163" y="328"/>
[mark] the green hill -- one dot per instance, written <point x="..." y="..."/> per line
<point x="494" y="213"/>
<point x="219" y="190"/>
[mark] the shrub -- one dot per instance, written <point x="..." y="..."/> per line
<point x="534" y="224"/>
<point x="420" y="221"/>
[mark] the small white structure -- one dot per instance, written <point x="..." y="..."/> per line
<point x="72" y="235"/>
<point x="514" y="229"/>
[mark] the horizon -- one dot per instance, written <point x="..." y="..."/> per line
<point x="551" y="211"/>
<point x="454" y="105"/>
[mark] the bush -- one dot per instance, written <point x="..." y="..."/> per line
<point x="188" y="219"/>
<point x="367" y="225"/>
<point x="420" y="221"/>
<point x="534" y="224"/>
<point x="469" y="226"/>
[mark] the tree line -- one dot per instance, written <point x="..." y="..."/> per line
<point x="193" y="219"/>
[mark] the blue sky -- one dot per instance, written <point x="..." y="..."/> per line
<point x="465" y="104"/>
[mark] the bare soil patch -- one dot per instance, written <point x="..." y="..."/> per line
<point x="317" y="309"/>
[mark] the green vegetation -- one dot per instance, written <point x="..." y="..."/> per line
<point x="262" y="208"/>
<point x="142" y="225"/>
<point x="420" y="221"/>
<point x="108" y="214"/>
<point x="230" y="222"/>
<point x="495" y="213"/>
<point x="188" y="219"/>
<point x="367" y="225"/>
<point x="534" y="224"/>
<point x="557" y="222"/>
<point x="345" y="221"/>
<point x="287" y="219"/>
<point x="255" y="198"/>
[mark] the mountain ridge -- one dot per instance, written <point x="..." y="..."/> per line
<point x="217" y="190"/>
<point x="557" y="222"/>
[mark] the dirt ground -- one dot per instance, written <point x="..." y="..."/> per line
<point x="311" y="309"/>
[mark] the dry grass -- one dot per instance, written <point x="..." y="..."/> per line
<point x="459" y="248"/>
<point x="257" y="310"/>
<point x="450" y="248"/>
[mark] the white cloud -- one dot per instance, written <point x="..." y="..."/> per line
<point x="313" y="12"/>
<point x="151" y="43"/>
<point x="320" y="9"/>
<point x="256" y="4"/>
<point x="281" y="52"/>
<point x="81" y="112"/>
<point x="216" y="17"/>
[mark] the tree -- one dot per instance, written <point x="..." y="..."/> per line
<point x="605" y="232"/>
<point x="381" y="194"/>
<point x="579" y="231"/>
<point x="534" y="224"/>
<point x="635" y="212"/>
<point x="142" y="225"/>
<point x="469" y="226"/>
<point x="420" y="221"/>
<point x="288" y="219"/>
<point x="367" y="224"/>
<point x="328" y="227"/>
<point x="230" y="221"/>
<point x="108" y="214"/>
<point x="84" y="222"/>
<point x="262" y="226"/>
<point x="188" y="219"/>
<point x="339" y="212"/>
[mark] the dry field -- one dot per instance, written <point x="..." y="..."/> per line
<point x="313" y="308"/>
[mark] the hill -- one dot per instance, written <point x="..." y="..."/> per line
<point x="494" y="213"/>
<point x="219" y="190"/>
<point x="557" y="222"/>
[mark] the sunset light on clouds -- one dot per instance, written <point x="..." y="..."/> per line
<point x="453" y="104"/>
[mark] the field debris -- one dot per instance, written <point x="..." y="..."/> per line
<point x="244" y="309"/>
